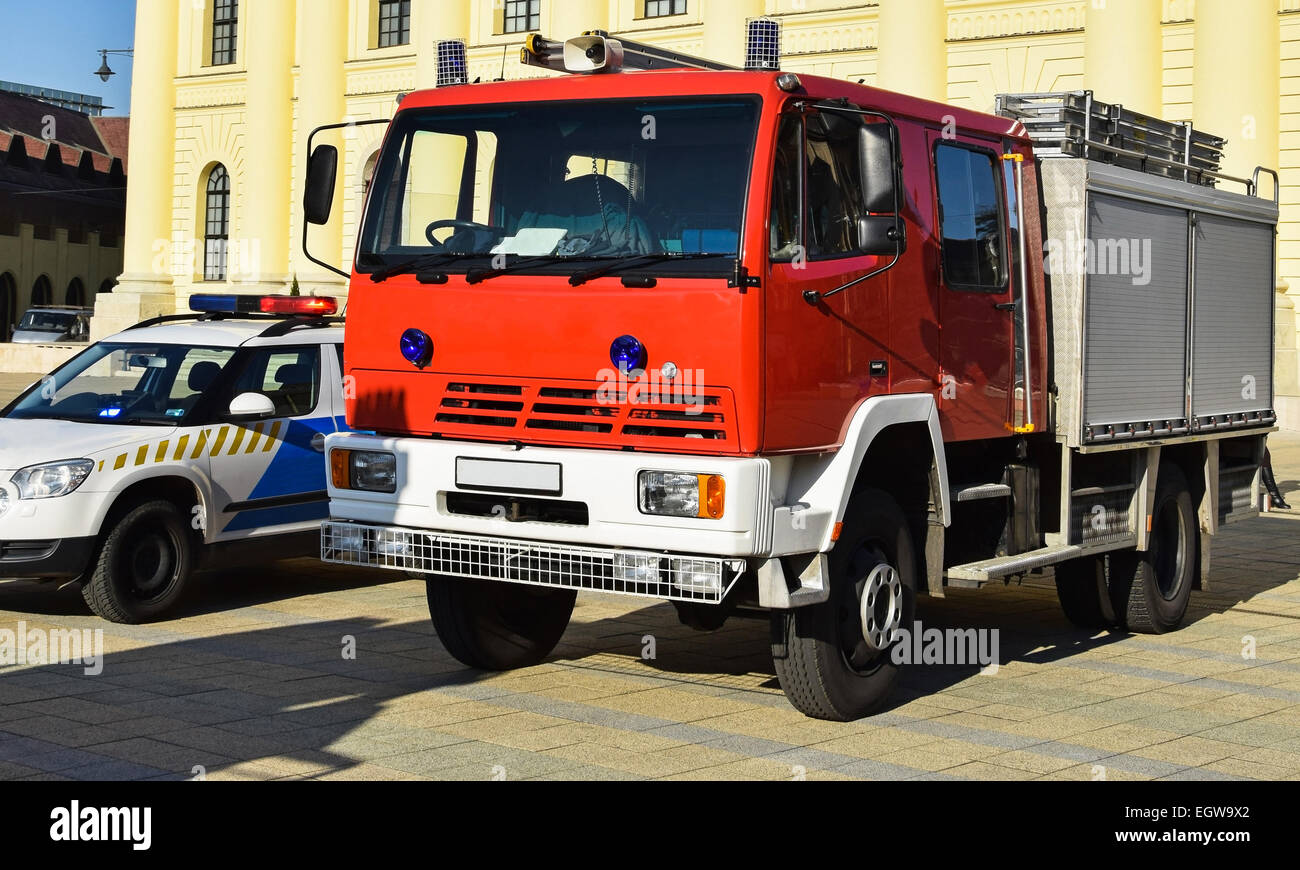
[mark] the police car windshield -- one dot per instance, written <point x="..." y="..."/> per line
<point x="120" y="383"/>
<point x="550" y="182"/>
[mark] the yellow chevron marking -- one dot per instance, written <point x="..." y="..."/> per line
<point x="162" y="452"/>
<point x="121" y="462"/>
<point x="101" y="465"/>
<point x="239" y="439"/>
<point x="142" y="454"/>
<point x="257" y="436"/>
<point x="201" y="445"/>
<point x="275" y="433"/>
<point x="180" y="448"/>
<point x="221" y="439"/>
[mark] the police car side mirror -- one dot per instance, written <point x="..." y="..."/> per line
<point x="248" y="405"/>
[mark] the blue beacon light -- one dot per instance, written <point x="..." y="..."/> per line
<point x="627" y="353"/>
<point x="417" y="347"/>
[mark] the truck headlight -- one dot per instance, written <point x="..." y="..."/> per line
<point x="367" y="470"/>
<point x="51" y="479"/>
<point x="673" y="494"/>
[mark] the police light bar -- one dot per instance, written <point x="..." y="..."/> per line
<point x="235" y="303"/>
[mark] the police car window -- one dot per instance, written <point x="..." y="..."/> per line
<point x="288" y="376"/>
<point x="126" y="383"/>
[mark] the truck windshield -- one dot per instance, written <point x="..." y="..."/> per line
<point x="126" y="383"/>
<point x="583" y="179"/>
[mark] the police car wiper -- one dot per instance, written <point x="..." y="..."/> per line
<point x="580" y="278"/>
<point x="419" y="264"/>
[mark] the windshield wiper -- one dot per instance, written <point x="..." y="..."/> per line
<point x="419" y="264"/>
<point x="580" y="278"/>
<point x="475" y="276"/>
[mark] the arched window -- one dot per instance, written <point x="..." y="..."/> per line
<point x="108" y="285"/>
<point x="76" y="294"/>
<point x="42" y="292"/>
<point x="216" y="232"/>
<point x="8" y="305"/>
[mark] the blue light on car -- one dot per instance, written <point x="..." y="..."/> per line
<point x="627" y="353"/>
<point x="417" y="347"/>
<point x="224" y="303"/>
<point x="110" y="412"/>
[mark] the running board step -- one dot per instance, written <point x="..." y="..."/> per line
<point x="975" y="573"/>
<point x="982" y="490"/>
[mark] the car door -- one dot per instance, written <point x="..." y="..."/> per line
<point x="976" y="308"/>
<point x="268" y="473"/>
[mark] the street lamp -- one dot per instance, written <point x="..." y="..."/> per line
<point x="104" y="72"/>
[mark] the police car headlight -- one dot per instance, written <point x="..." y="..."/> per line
<point x="51" y="479"/>
<point x="368" y="470"/>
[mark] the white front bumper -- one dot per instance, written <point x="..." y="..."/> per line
<point x="604" y="480"/>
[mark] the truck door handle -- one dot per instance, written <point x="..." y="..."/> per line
<point x="318" y="442"/>
<point x="1005" y="306"/>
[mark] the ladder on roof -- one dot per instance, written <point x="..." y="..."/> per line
<point x="549" y="54"/>
<point x="1076" y="124"/>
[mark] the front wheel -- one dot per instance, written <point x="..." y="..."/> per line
<point x="497" y="626"/>
<point x="833" y="659"/>
<point x="144" y="564"/>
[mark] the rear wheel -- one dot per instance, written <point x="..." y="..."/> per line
<point x="833" y="659"/>
<point x="144" y="564"/>
<point x="1150" y="591"/>
<point x="1083" y="592"/>
<point x="498" y="626"/>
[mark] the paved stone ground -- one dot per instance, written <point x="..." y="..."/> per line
<point x="251" y="682"/>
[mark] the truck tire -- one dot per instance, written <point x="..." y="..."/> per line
<point x="1150" y="590"/>
<point x="143" y="565"/>
<point x="497" y="626"/>
<point x="1082" y="588"/>
<point x="824" y="664"/>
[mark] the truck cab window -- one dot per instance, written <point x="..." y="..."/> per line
<point x="834" y="185"/>
<point x="787" y="177"/>
<point x="974" y="242"/>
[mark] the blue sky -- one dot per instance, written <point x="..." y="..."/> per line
<point x="56" y="44"/>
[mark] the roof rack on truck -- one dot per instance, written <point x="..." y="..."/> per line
<point x="1077" y="124"/>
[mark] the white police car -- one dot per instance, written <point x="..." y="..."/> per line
<point x="180" y="440"/>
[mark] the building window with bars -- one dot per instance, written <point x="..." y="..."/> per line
<point x="660" y="8"/>
<point x="225" y="27"/>
<point x="216" y="231"/>
<point x="523" y="16"/>
<point x="394" y="23"/>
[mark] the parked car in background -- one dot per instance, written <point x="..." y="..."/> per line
<point x="53" y="323"/>
<point x="178" y="440"/>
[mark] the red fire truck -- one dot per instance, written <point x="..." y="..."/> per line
<point x="758" y="340"/>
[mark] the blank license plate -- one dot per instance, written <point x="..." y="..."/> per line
<point x="504" y="475"/>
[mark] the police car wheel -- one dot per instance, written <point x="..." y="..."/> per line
<point x="143" y="565"/>
<point x="498" y="626"/>
<point x="827" y="665"/>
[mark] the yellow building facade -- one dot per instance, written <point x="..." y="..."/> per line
<point x="225" y="94"/>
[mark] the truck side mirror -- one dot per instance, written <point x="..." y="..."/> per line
<point x="880" y="230"/>
<point x="322" y="174"/>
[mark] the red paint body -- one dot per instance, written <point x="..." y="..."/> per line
<point x="786" y="375"/>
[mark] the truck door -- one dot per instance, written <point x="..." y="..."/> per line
<point x="268" y="475"/>
<point x="976" y="306"/>
<point x="824" y="357"/>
